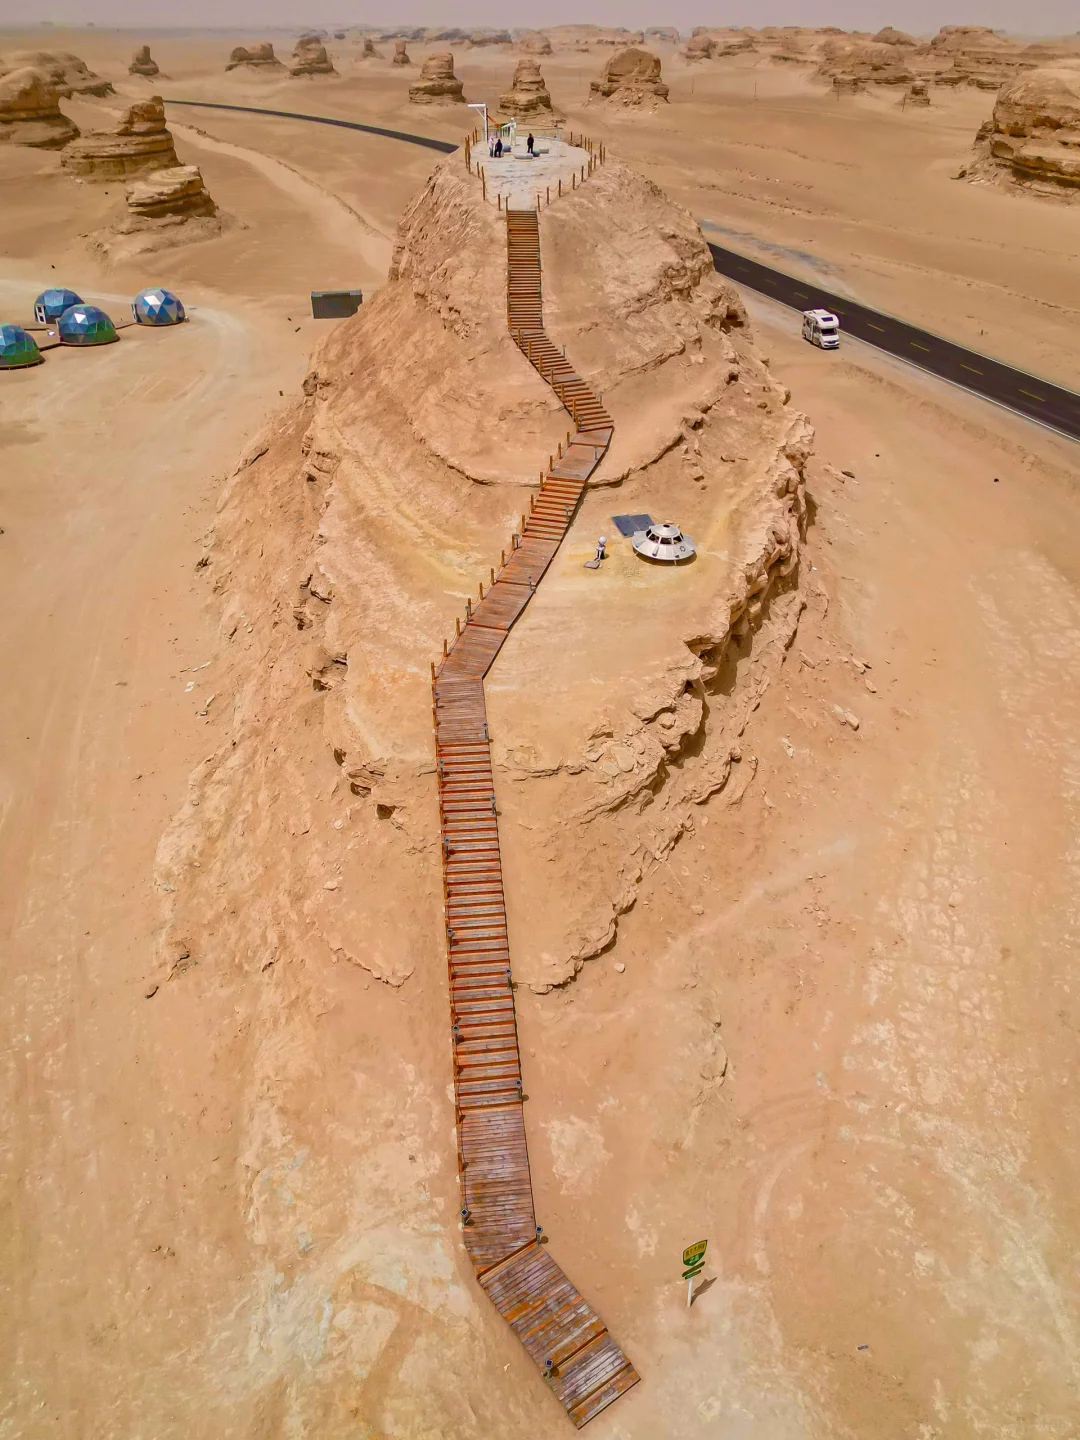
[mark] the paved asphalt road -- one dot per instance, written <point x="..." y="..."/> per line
<point x="1028" y="395"/>
<point x="443" y="146"/>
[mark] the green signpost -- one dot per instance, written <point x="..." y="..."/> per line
<point x="693" y="1259"/>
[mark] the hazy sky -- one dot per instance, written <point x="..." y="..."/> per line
<point x="918" y="16"/>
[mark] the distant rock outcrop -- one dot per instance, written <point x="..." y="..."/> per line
<point x="528" y="96"/>
<point x="437" y="83"/>
<point x="254" y="57"/>
<point x="975" y="55"/>
<point x="67" y="74"/>
<point x="866" y="60"/>
<point x="889" y="36"/>
<point x="662" y="35"/>
<point x="30" y="112"/>
<point x="139" y="143"/>
<point x="369" y="52"/>
<point x="490" y="37"/>
<point x="1033" y="139"/>
<point x="700" y="47"/>
<point x="631" y="78"/>
<point x="143" y="63"/>
<point x="310" y="58"/>
<point x="918" y="94"/>
<point x="401" y="55"/>
<point x="534" y="42"/>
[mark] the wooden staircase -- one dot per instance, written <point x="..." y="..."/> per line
<point x="584" y="1366"/>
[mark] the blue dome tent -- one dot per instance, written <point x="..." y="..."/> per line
<point x="157" y="307"/>
<point x="51" y="304"/>
<point x="86" y="325"/>
<point x="17" y="348"/>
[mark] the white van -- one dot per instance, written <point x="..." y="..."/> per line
<point x="821" y="327"/>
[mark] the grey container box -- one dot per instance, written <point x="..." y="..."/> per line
<point x="335" y="304"/>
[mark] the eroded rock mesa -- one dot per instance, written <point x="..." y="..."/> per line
<point x="310" y="58"/>
<point x="528" y="96"/>
<point x="437" y="84"/>
<point x="534" y="42"/>
<point x="143" y="63"/>
<point x="254" y="57"/>
<point x="414" y="446"/>
<point x="30" y="112"/>
<point x="631" y="78"/>
<point x="162" y="209"/>
<point x="1033" y="138"/>
<point x="140" y="142"/>
<point x="67" y="74"/>
<point x="401" y="55"/>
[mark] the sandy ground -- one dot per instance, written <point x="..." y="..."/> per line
<point x="843" y="1039"/>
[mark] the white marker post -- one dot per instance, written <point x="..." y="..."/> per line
<point x="693" y="1259"/>
<point x="484" y="112"/>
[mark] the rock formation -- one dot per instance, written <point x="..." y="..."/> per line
<point x="437" y="84"/>
<point x="974" y="55"/>
<point x="918" y="94"/>
<point x="1033" y="138"/>
<point x="401" y="55"/>
<point x="700" y="47"/>
<point x="310" y="58"/>
<point x="528" y="96"/>
<point x="866" y="60"/>
<point x="427" y="388"/>
<point x="662" y="35"/>
<point x="165" y="208"/>
<point x="67" y="74"/>
<point x="143" y="63"/>
<point x="534" y="42"/>
<point x="631" y="78"/>
<point x="889" y="36"/>
<point x="30" y="112"/>
<point x="254" y="57"/>
<point x="490" y="37"/>
<point x="178" y="193"/>
<point x="369" y="52"/>
<point x="845" y="84"/>
<point x="139" y="143"/>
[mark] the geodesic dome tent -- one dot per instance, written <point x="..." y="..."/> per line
<point x="51" y="304"/>
<point x="86" y="325"/>
<point x="17" y="348"/>
<point x="663" y="542"/>
<point x="157" y="307"/>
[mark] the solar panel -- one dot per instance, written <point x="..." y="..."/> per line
<point x="630" y="524"/>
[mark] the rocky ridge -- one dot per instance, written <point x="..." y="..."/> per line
<point x="355" y="523"/>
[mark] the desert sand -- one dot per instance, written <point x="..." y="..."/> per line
<point x="789" y="834"/>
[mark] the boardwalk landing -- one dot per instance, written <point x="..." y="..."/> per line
<point x="569" y="1342"/>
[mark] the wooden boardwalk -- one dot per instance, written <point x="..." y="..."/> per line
<point x="569" y="1342"/>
